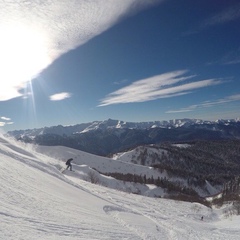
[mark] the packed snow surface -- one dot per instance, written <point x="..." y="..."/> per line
<point x="40" y="201"/>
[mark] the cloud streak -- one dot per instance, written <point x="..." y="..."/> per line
<point x="6" y="118"/>
<point x="230" y="14"/>
<point x="208" y="104"/>
<point x="35" y="33"/>
<point x="161" y="86"/>
<point x="231" y="58"/>
<point x="6" y="121"/>
<point x="60" y="96"/>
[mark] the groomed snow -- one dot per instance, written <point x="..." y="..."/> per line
<point x="37" y="201"/>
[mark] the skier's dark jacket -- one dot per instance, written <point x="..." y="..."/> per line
<point x="69" y="161"/>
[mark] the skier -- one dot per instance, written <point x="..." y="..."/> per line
<point x="68" y="163"/>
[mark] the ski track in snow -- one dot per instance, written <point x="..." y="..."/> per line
<point x="23" y="206"/>
<point x="39" y="202"/>
<point x="116" y="212"/>
<point x="159" y="229"/>
<point x="168" y="226"/>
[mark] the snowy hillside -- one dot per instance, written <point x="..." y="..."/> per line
<point x="37" y="201"/>
<point x="127" y="163"/>
<point x="85" y="163"/>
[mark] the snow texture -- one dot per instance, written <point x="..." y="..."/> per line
<point x="39" y="201"/>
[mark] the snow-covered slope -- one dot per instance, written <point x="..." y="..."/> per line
<point x="150" y="155"/>
<point x="102" y="164"/>
<point x="85" y="162"/>
<point x="37" y="201"/>
<point x="124" y="163"/>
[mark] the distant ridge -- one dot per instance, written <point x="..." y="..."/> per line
<point x="110" y="123"/>
<point x="110" y="136"/>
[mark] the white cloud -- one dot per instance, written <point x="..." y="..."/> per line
<point x="179" y="111"/>
<point x="2" y="124"/>
<point x="206" y="104"/>
<point x="160" y="86"/>
<point x="6" y="118"/>
<point x="35" y="33"/>
<point x="59" y="96"/>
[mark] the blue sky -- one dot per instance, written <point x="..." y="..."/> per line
<point x="69" y="62"/>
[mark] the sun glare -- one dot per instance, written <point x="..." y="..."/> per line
<point x="23" y="54"/>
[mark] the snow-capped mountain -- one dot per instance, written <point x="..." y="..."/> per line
<point x="116" y="124"/>
<point x="110" y="136"/>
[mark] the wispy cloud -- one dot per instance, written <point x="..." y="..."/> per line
<point x="60" y="96"/>
<point x="120" y="82"/>
<point x="2" y="124"/>
<point x="161" y="86"/>
<point x="227" y="15"/>
<point x="231" y="58"/>
<point x="208" y="104"/>
<point x="6" y="121"/>
<point x="6" y="118"/>
<point x="35" y="33"/>
<point x="230" y="14"/>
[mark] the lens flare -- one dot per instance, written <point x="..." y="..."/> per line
<point x="23" y="53"/>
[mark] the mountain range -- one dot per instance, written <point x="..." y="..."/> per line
<point x="112" y="136"/>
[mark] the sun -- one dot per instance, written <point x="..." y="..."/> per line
<point x="23" y="54"/>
